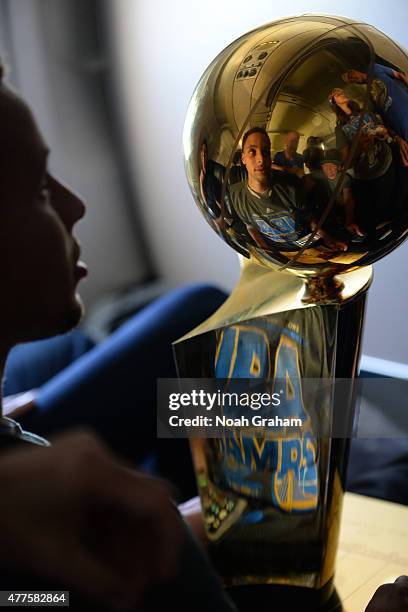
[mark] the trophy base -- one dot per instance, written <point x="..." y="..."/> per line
<point x="284" y="597"/>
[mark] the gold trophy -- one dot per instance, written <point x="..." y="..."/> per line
<point x="296" y="154"/>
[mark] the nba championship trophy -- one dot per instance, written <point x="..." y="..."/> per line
<point x="296" y="153"/>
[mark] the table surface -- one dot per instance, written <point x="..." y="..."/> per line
<point x="373" y="548"/>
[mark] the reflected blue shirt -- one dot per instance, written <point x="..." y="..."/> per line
<point x="392" y="101"/>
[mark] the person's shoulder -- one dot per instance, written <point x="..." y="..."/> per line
<point x="279" y="156"/>
<point x="379" y="69"/>
<point x="347" y="181"/>
<point x="285" y="179"/>
<point x="237" y="189"/>
<point x="289" y="188"/>
<point x="239" y="198"/>
<point x="300" y="158"/>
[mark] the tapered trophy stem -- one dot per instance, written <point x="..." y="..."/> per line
<point x="272" y="499"/>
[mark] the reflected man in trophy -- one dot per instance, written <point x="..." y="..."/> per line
<point x="272" y="205"/>
<point x="289" y="160"/>
<point x="268" y="206"/>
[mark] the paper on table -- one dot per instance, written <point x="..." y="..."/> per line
<point x="373" y="548"/>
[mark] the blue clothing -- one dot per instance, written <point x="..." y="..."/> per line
<point x="352" y="126"/>
<point x="281" y="160"/>
<point x="372" y="162"/>
<point x="276" y="213"/>
<point x="111" y="388"/>
<point x="391" y="102"/>
<point x="32" y="364"/>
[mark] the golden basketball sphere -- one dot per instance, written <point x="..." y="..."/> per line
<point x="296" y="144"/>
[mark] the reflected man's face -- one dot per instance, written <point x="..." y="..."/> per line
<point x="330" y="170"/>
<point x="292" y="141"/>
<point x="39" y="257"/>
<point x="340" y="97"/>
<point x="355" y="76"/>
<point x="256" y="156"/>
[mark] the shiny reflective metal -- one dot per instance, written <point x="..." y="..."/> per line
<point x="296" y="153"/>
<point x="272" y="521"/>
<point x="288" y="78"/>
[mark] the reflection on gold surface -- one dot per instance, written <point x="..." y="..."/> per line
<point x="333" y="528"/>
<point x="261" y="292"/>
<point x="296" y="144"/>
<point x="296" y="152"/>
<point x="269" y="497"/>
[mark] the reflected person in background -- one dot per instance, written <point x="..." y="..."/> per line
<point x="372" y="162"/>
<point x="390" y="597"/>
<point x="388" y="91"/>
<point x="321" y="185"/>
<point x="331" y="165"/>
<point x="314" y="142"/>
<point x="289" y="160"/>
<point x="313" y="161"/>
<point x="388" y="94"/>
